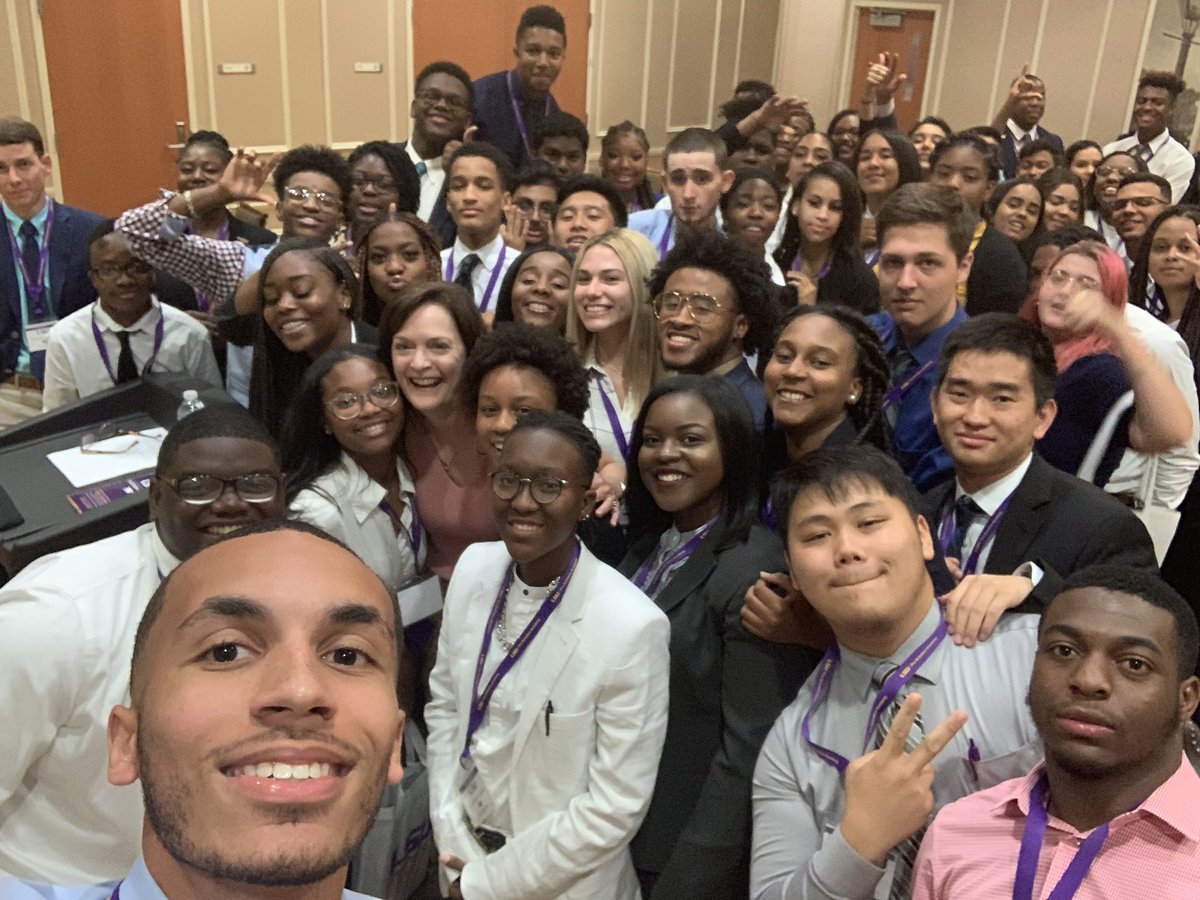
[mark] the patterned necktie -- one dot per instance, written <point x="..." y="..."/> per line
<point x="126" y="370"/>
<point x="466" y="269"/>
<point x="905" y="853"/>
<point x="31" y="255"/>
<point x="966" y="511"/>
<point x="1143" y="152"/>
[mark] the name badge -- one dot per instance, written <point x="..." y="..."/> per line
<point x="476" y="799"/>
<point x="37" y="336"/>
<point x="420" y="601"/>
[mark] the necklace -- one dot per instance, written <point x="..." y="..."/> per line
<point x="506" y="643"/>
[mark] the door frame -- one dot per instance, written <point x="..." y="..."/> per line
<point x="936" y="62"/>
<point x="26" y="111"/>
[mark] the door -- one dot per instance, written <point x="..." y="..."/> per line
<point x="906" y="32"/>
<point x="118" y="88"/>
<point x="480" y="35"/>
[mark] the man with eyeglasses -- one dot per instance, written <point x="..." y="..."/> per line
<point x="1140" y="198"/>
<point x="1151" y="142"/>
<point x="534" y="201"/>
<point x="714" y="304"/>
<point x="124" y="334"/>
<point x="67" y="623"/>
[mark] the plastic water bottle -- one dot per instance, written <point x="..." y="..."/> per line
<point x="191" y="403"/>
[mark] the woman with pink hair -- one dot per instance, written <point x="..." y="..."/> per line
<point x="1080" y="307"/>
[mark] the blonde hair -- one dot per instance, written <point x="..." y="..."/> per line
<point x="643" y="363"/>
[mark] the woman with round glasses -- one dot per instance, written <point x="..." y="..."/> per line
<point x="696" y="547"/>
<point x="1080" y="307"/>
<point x="549" y="696"/>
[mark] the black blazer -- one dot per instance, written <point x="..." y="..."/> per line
<point x="850" y="282"/>
<point x="1008" y="148"/>
<point x="439" y="219"/>
<point x="998" y="279"/>
<point x="70" y="287"/>
<point x="727" y="689"/>
<point x="1061" y="523"/>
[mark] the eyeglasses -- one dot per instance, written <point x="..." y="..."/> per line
<point x="200" y="490"/>
<point x="527" y="207"/>
<point x="543" y="489"/>
<point x="1139" y="202"/>
<point x="349" y="405"/>
<point x="1119" y="171"/>
<point x="135" y="268"/>
<point x="430" y="97"/>
<point x="1059" y="279"/>
<point x="380" y="182"/>
<point x="670" y="303"/>
<point x="301" y="195"/>
<point x="106" y="432"/>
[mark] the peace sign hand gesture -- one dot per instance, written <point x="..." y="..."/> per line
<point x="889" y="791"/>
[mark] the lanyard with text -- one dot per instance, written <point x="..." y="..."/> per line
<point x="1031" y="847"/>
<point x="990" y="527"/>
<point x="665" y="240"/>
<point x="648" y="579"/>
<point x="613" y="419"/>
<point x="480" y="700"/>
<point x="104" y="357"/>
<point x="35" y="283"/>
<point x="516" y="108"/>
<point x="414" y="531"/>
<point x="892" y="687"/>
<point x="491" y="285"/>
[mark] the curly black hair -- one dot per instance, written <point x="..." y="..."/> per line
<point x="746" y="273"/>
<point x="312" y="158"/>
<point x="518" y="344"/>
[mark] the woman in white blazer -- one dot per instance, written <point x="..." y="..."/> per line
<point x="539" y="794"/>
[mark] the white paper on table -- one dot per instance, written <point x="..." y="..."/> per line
<point x="82" y="469"/>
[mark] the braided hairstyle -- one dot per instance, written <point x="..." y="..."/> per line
<point x="643" y="193"/>
<point x="430" y="249"/>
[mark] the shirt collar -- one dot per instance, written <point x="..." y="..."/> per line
<point x="1018" y="132"/>
<point x="488" y="253"/>
<point x="139" y="884"/>
<point x="930" y="672"/>
<point x="38" y="220"/>
<point x="365" y="493"/>
<point x="931" y="344"/>
<point x="989" y="498"/>
<point x="1155" y="144"/>
<point x="145" y="323"/>
<point x="164" y="559"/>
<point x="434" y="164"/>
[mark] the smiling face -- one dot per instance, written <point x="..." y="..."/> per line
<point x="859" y="559"/>
<point x="187" y="528"/>
<point x="623" y="162"/>
<point x="319" y="215"/>
<point x="680" y="459"/>
<point x="810" y="151"/>
<point x="427" y="357"/>
<point x="924" y="138"/>
<point x="845" y="138"/>
<point x="1168" y="251"/>
<point x="695" y="184"/>
<point x="123" y="282"/>
<point x="264" y="724"/>
<point x="475" y="198"/>
<point x="582" y="215"/>
<point x="918" y="278"/>
<point x="1152" y="110"/>
<point x="1109" y="175"/>
<point x="819" y="210"/>
<point x="199" y="165"/>
<point x="304" y="305"/>
<point x="878" y="171"/>
<point x="752" y="213"/>
<point x="395" y="259"/>
<point x="372" y="190"/>
<point x="1064" y="207"/>
<point x="699" y="347"/>
<point x="1136" y="207"/>
<point x="1054" y="300"/>
<point x="1017" y="215"/>
<point x="505" y="394"/>
<point x="603" y="295"/>
<point x="539" y="53"/>
<point x="441" y="111"/>
<point x="374" y="431"/>
<point x="811" y="375"/>
<point x="541" y="293"/>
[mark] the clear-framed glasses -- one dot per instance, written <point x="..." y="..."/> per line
<point x="382" y="183"/>
<point x="543" y="211"/>
<point x="1060" y="279"/>
<point x="349" y="405"/>
<point x="301" y="194"/>
<point x="135" y="268"/>
<point x="543" y="489"/>
<point x="430" y="97"/>
<point x="90" y="442"/>
<point x="701" y="306"/>
<point x="200" y="490"/>
<point x="1119" y="171"/>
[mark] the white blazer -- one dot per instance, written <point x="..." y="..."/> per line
<point x="577" y="796"/>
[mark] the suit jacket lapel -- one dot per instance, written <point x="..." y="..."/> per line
<point x="8" y="279"/>
<point x="687" y="578"/>
<point x="1022" y="521"/>
<point x="60" y="254"/>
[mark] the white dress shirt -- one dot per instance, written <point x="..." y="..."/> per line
<point x="595" y="417"/>
<point x="1168" y="158"/>
<point x="988" y="499"/>
<point x="491" y="255"/>
<point x="431" y="181"/>
<point x="67" y="623"/>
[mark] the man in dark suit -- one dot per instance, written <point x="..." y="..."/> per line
<point x="44" y="273"/>
<point x="1017" y="121"/>
<point x="1012" y="525"/>
<point x="441" y="112"/>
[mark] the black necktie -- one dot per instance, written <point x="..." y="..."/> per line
<point x="966" y="511"/>
<point x="126" y="370"/>
<point x="30" y="257"/>
<point x="466" y="269"/>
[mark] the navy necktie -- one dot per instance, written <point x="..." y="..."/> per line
<point x="126" y="370"/>
<point x="30" y="258"/>
<point x="466" y="269"/>
<point x="422" y="169"/>
<point x="966" y="511"/>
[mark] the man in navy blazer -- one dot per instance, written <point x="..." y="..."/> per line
<point x="44" y="236"/>
<point x="1017" y="121"/>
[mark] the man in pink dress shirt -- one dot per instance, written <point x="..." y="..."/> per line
<point x="1114" y="810"/>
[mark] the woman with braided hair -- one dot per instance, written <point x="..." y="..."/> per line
<point x="394" y="251"/>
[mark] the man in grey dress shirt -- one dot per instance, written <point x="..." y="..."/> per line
<point x="857" y="550"/>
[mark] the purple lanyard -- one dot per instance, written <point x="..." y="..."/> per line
<point x="414" y="532"/>
<point x="896" y="394"/>
<point x="203" y="304"/>
<point x="613" y="419"/>
<point x="666" y="237"/>
<point x="1031" y="848"/>
<point x="487" y="294"/>
<point x="480" y="701"/>
<point x="35" y="285"/>
<point x="871" y="257"/>
<point x="104" y="357"/>
<point x="116" y="892"/>
<point x="649" y="585"/>
<point x="990" y="527"/>
<point x="891" y="688"/>
<point x="798" y="262"/>
<point x="516" y="108"/>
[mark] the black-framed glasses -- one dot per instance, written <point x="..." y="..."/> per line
<point x="1139" y="202"/>
<point x="544" y="489"/>
<point x="430" y="97"/>
<point x="301" y="194"/>
<point x="200" y="490"/>
<point x="703" y="307"/>
<point x="543" y="211"/>
<point x="135" y="268"/>
<point x="382" y="183"/>
<point x="349" y="405"/>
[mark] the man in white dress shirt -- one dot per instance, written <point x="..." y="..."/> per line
<point x="67" y="623"/>
<point x="1152" y="141"/>
<point x="124" y="334"/>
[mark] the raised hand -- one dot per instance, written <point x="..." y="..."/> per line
<point x="883" y="79"/>
<point x="451" y="146"/>
<point x="515" y="230"/>
<point x="775" y="611"/>
<point x="889" y="791"/>
<point x="245" y="175"/>
<point x="778" y="111"/>
<point x="975" y="606"/>
<point x="805" y="285"/>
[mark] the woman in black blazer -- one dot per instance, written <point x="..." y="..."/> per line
<point x="697" y="547"/>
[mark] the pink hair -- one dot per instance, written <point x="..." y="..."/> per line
<point x="1114" y="285"/>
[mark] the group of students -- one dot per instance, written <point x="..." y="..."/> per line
<point x="712" y="541"/>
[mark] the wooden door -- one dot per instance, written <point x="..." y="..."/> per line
<point x="479" y="35"/>
<point x="907" y="32"/>
<point x="118" y="86"/>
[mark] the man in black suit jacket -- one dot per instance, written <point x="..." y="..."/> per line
<point x="1031" y="525"/>
<point x="1017" y="121"/>
<point x="44" y="236"/>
